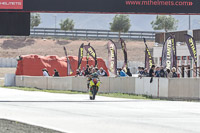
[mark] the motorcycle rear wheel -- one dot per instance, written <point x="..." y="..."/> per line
<point x="94" y="92"/>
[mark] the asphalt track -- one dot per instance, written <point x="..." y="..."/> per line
<point x="74" y="113"/>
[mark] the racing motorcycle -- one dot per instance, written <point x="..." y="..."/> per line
<point x="94" y="87"/>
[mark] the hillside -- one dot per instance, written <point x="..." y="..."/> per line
<point x="13" y="47"/>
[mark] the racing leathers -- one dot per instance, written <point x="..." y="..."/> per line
<point x="94" y="81"/>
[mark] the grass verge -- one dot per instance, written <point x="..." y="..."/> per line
<point x="50" y="91"/>
<point x="115" y="95"/>
<point x="128" y="96"/>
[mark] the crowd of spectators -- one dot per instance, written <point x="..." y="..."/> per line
<point x="123" y="73"/>
<point x="89" y="70"/>
<point x="143" y="72"/>
<point x="101" y="72"/>
<point x="46" y="73"/>
<point x="157" y="72"/>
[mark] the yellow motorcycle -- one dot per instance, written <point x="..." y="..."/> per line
<point x="94" y="88"/>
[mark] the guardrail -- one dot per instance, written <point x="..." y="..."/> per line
<point x="92" y="33"/>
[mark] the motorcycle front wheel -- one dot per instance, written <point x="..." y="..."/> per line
<point x="94" y="91"/>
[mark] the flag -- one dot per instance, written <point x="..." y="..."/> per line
<point x="192" y="48"/>
<point x="69" y="70"/>
<point x="87" y="54"/>
<point x="148" y="58"/>
<point x="112" y="57"/>
<point x="80" y="55"/>
<point x="123" y="44"/>
<point x="168" y="58"/>
<point x="174" y="51"/>
<point x="90" y="50"/>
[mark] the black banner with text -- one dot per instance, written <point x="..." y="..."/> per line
<point x="103" y="6"/>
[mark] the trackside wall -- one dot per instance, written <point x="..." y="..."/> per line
<point x="180" y="88"/>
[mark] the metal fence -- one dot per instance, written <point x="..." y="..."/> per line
<point x="8" y="62"/>
<point x="91" y="33"/>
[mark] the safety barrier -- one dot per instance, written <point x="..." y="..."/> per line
<point x="91" y="33"/>
<point x="180" y="88"/>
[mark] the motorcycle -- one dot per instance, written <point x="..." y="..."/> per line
<point x="94" y="87"/>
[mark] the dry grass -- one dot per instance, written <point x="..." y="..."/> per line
<point x="55" y="47"/>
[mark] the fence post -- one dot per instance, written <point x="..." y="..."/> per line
<point x="86" y="34"/>
<point x="153" y="34"/>
<point x="66" y="33"/>
<point x="44" y="32"/>
<point x="55" y="32"/>
<point x="75" y="33"/>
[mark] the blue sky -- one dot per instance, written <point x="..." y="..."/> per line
<point x="101" y="21"/>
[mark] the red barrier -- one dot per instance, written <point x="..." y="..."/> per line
<point x="32" y="65"/>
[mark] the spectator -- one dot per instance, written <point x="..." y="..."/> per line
<point x="121" y="73"/>
<point x="83" y="72"/>
<point x="96" y="69"/>
<point x="162" y="72"/>
<point x="77" y="73"/>
<point x="129" y="73"/>
<point x="151" y="71"/>
<point x="56" y="73"/>
<point x="102" y="72"/>
<point x="140" y="70"/>
<point x="169" y="74"/>
<point x="98" y="72"/>
<point x="45" y="72"/>
<point x="157" y="72"/>
<point x="87" y="70"/>
<point x="92" y="70"/>
<point x="174" y="74"/>
<point x="91" y="67"/>
<point x="145" y="73"/>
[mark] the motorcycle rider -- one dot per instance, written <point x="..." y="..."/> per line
<point x="94" y="73"/>
<point x="92" y="76"/>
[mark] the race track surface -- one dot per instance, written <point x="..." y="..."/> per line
<point x="75" y="113"/>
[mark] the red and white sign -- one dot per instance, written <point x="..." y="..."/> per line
<point x="11" y="4"/>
